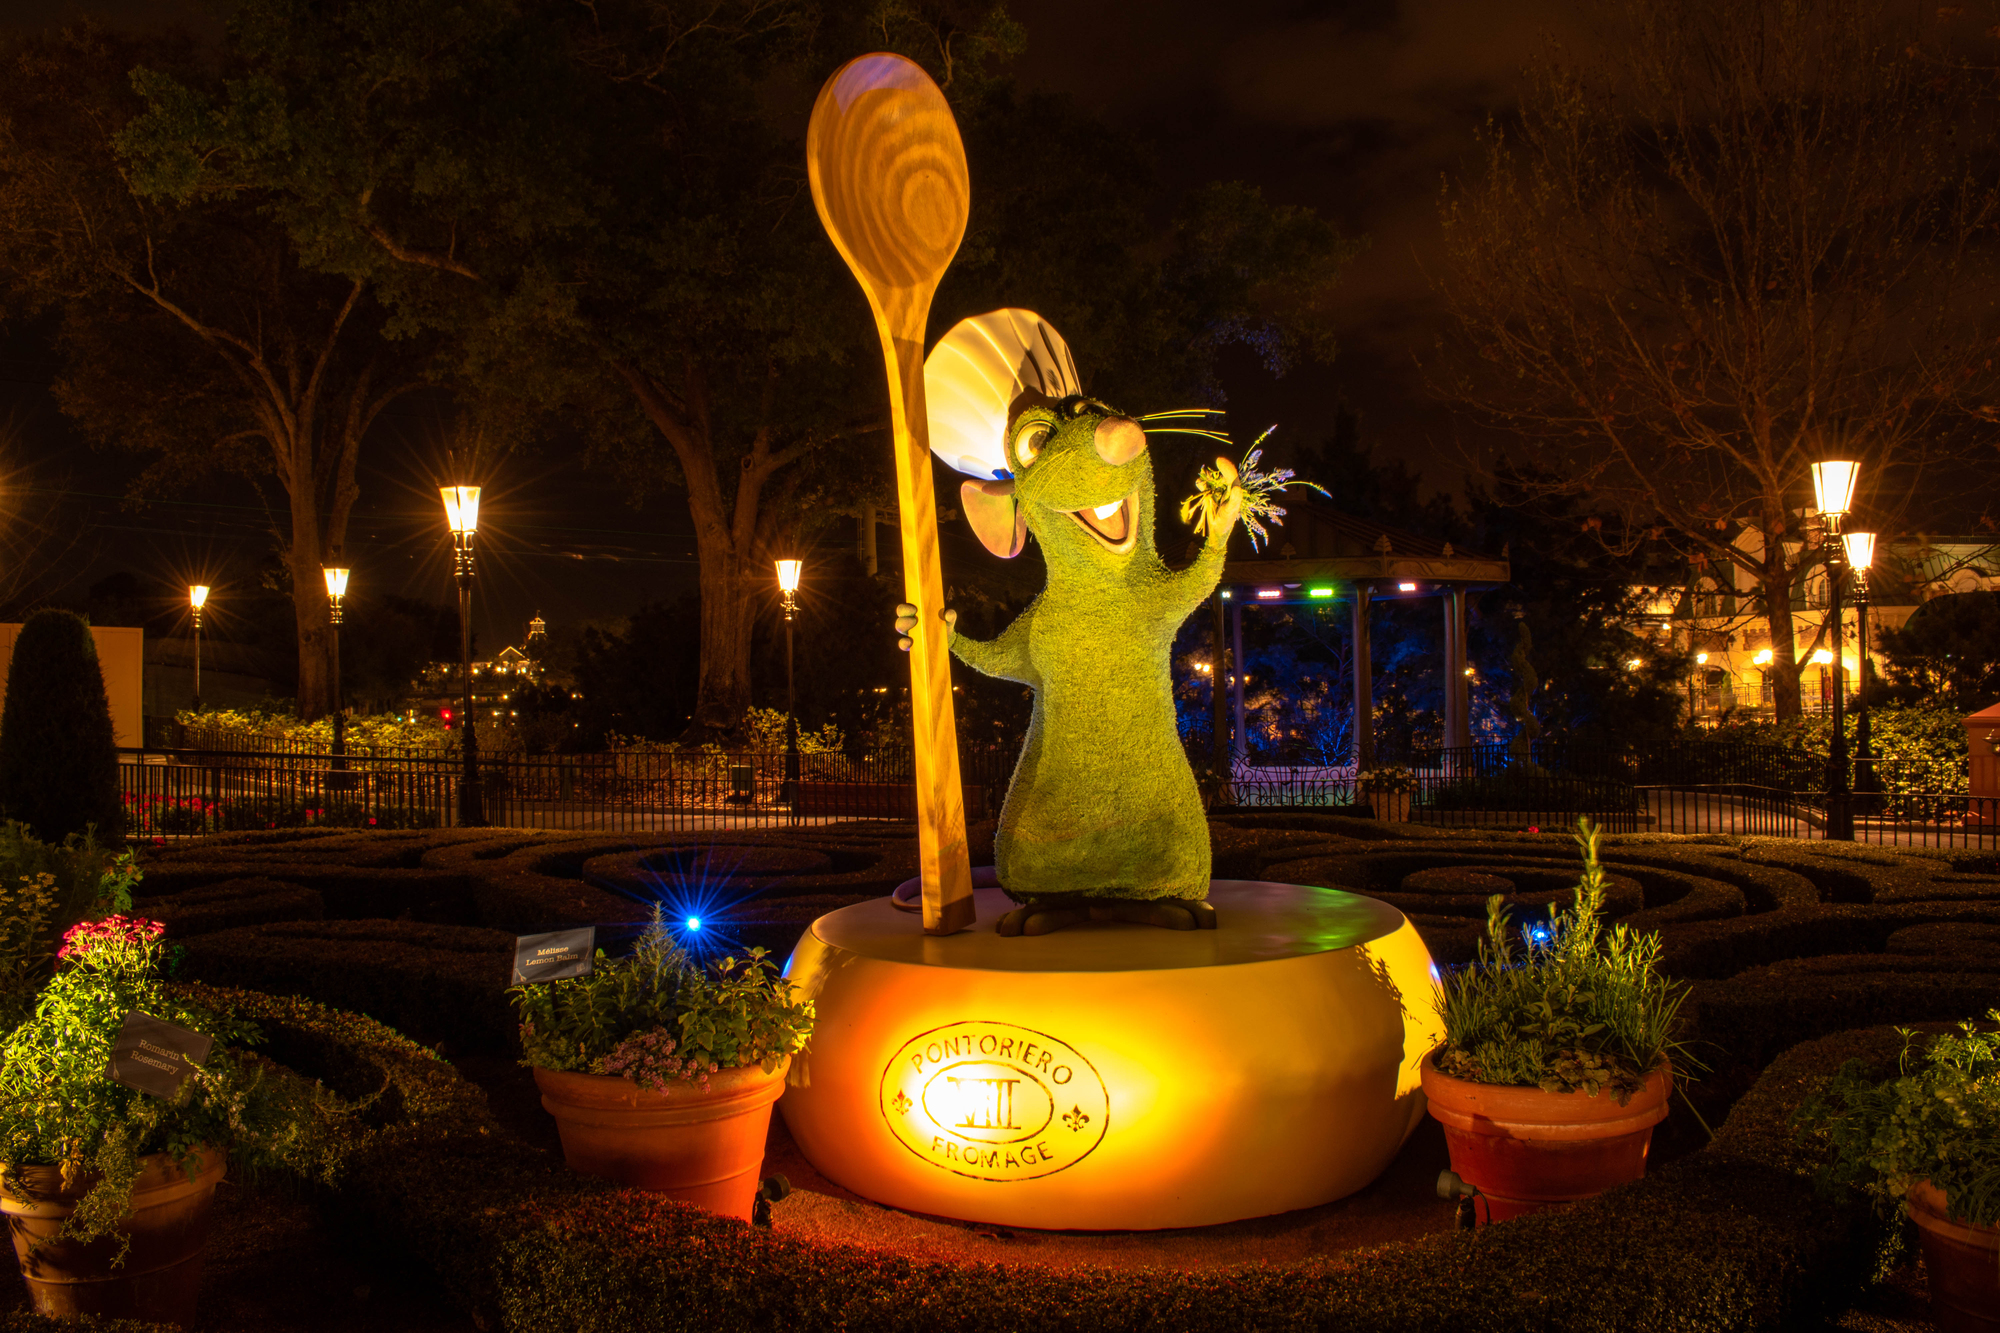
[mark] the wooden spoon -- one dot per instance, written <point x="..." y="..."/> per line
<point x="889" y="180"/>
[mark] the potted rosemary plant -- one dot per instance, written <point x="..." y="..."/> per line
<point x="106" y="1187"/>
<point x="1389" y="790"/>
<point x="1928" y="1141"/>
<point x="1558" y="1053"/>
<point x="660" y="1072"/>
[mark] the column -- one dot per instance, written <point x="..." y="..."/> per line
<point x="1218" y="673"/>
<point x="1364" y="682"/>
<point x="1457" y="692"/>
<point x="1236" y="664"/>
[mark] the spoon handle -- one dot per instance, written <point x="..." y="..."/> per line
<point x="943" y="857"/>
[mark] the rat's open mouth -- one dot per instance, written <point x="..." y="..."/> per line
<point x="1110" y="524"/>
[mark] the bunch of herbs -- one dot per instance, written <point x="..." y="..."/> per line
<point x="735" y="1012"/>
<point x="1936" y="1122"/>
<point x="1568" y="1006"/>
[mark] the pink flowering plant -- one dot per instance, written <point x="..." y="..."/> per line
<point x="657" y="1017"/>
<point x="60" y="1107"/>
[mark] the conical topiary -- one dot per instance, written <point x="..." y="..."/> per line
<point x="58" y="754"/>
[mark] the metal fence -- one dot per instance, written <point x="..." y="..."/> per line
<point x="180" y="792"/>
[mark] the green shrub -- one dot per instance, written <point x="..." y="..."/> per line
<point x="1569" y="1009"/>
<point x="654" y="1015"/>
<point x="1938" y="1123"/>
<point x="60" y="1107"/>
<point x="444" y="985"/>
<point x="58" y="754"/>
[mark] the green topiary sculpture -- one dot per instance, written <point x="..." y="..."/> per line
<point x="58" y="754"/>
<point x="1103" y="818"/>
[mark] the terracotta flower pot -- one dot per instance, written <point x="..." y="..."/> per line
<point x="168" y="1226"/>
<point x="1389" y="806"/>
<point x="1528" y="1150"/>
<point x="1963" y="1262"/>
<point x="687" y="1143"/>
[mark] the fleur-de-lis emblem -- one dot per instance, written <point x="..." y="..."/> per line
<point x="902" y="1103"/>
<point x="1076" y="1118"/>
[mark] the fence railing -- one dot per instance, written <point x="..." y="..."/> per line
<point x="181" y="792"/>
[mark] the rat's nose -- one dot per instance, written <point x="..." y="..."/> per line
<point x="1119" y="440"/>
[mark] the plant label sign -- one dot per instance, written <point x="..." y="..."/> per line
<point x="551" y="957"/>
<point x="154" y="1056"/>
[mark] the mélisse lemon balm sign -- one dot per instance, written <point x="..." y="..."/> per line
<point x="994" y="1101"/>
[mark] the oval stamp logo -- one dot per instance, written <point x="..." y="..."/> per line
<point x="994" y="1101"/>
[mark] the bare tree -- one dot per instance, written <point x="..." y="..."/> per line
<point x="1749" y="239"/>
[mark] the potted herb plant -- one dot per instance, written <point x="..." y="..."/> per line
<point x="1928" y="1141"/>
<point x="107" y="1188"/>
<point x="1558" y="1053"/>
<point x="1389" y="790"/>
<point x="660" y="1072"/>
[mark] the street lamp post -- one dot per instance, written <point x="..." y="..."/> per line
<point x="461" y="511"/>
<point x="197" y="598"/>
<point x="788" y="586"/>
<point x="1867" y="782"/>
<point x="336" y="589"/>
<point x="1833" y="489"/>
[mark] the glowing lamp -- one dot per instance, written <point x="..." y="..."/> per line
<point x="461" y="508"/>
<point x="1406" y="587"/>
<point x="1319" y="592"/>
<point x="1225" y="594"/>
<point x="1833" y="489"/>
<point x="1860" y="549"/>
<point x="1468" y="671"/>
<point x="1632" y="664"/>
<point x="1821" y="657"/>
<point x="788" y="575"/>
<point x="198" y="595"/>
<point x="1701" y="659"/>
<point x="1270" y="592"/>
<point x="336" y="582"/>
<point x="1763" y="658"/>
<point x="694" y="923"/>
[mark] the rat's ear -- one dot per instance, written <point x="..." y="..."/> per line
<point x="995" y="515"/>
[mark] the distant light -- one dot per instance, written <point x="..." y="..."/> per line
<point x="1319" y="592"/>
<point x="1269" y="592"/>
<point x="1860" y="549"/>
<point x="1632" y="664"/>
<point x="1701" y="659"/>
<point x="694" y="923"/>
<point x="1225" y="592"/>
<point x="1468" y="671"/>
<point x="1763" y="658"/>
<point x="788" y="575"/>
<point x="336" y="581"/>
<point x="1821" y="657"/>
<point x="1406" y="587"/>
<point x="198" y="594"/>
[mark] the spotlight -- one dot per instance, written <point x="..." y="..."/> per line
<point x="694" y="923"/>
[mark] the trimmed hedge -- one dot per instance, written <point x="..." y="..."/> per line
<point x="1732" y="1237"/>
<point x="232" y="903"/>
<point x="443" y="985"/>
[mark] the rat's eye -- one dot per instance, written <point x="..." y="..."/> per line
<point x="1029" y="439"/>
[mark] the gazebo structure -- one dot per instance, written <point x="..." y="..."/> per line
<point x="1321" y="556"/>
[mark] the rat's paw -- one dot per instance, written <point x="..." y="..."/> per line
<point x="906" y="620"/>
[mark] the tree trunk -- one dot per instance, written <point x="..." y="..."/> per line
<point x="728" y="611"/>
<point x="1776" y="579"/>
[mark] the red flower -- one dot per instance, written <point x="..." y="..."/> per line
<point x="84" y="936"/>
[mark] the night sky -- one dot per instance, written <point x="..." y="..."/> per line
<point x="1354" y="107"/>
